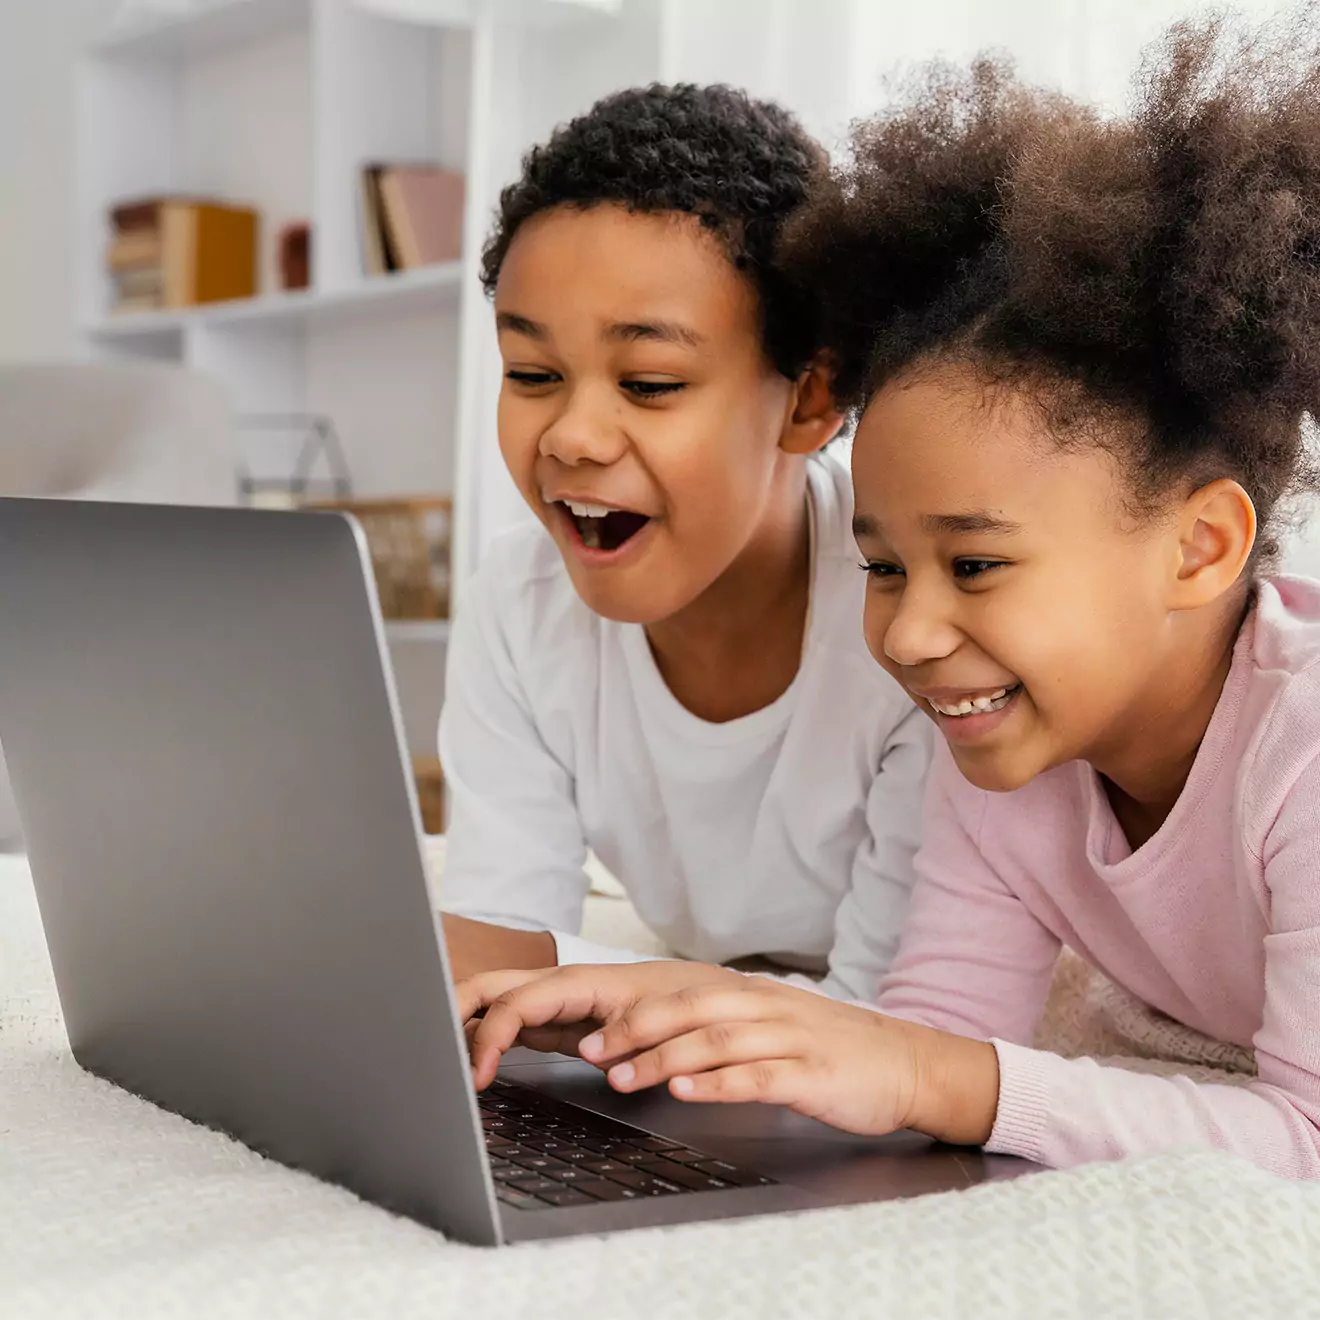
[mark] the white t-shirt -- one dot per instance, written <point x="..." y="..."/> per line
<point x="789" y="832"/>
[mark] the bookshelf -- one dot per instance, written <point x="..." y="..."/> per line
<point x="278" y="104"/>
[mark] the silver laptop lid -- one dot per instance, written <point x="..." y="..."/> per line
<point x="206" y="752"/>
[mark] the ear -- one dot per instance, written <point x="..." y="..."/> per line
<point x="1216" y="533"/>
<point x="812" y="420"/>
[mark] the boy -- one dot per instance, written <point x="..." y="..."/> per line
<point x="670" y="669"/>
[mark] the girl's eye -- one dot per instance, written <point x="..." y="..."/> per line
<point x="531" y="378"/>
<point x="966" y="569"/>
<point x="878" y="569"/>
<point x="652" y="389"/>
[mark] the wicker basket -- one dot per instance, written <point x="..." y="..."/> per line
<point x="430" y="792"/>
<point x="409" y="538"/>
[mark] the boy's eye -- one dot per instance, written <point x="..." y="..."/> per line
<point x="966" y="569"/>
<point x="652" y="389"/>
<point x="532" y="378"/>
<point x="877" y="568"/>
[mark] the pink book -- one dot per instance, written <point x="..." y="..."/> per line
<point x="423" y="208"/>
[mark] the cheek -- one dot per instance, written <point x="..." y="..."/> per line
<point x="518" y="432"/>
<point x="877" y="615"/>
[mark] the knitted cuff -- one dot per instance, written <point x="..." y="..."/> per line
<point x="1023" y="1101"/>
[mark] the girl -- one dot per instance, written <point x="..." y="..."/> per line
<point x="666" y="666"/>
<point x="1084" y="350"/>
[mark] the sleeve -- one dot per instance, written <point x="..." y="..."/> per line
<point x="515" y="847"/>
<point x="1063" y="1112"/>
<point x="973" y="960"/>
<point x="870" y="917"/>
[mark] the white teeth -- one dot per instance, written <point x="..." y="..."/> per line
<point x="974" y="705"/>
<point x="587" y="510"/>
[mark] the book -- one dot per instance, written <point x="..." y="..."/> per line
<point x="376" y="259"/>
<point x="133" y="249"/>
<point x="422" y="209"/>
<point x="148" y="282"/>
<point x="181" y="251"/>
<point x="209" y="252"/>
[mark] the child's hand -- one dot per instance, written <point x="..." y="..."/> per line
<point x="718" y="1036"/>
<point x="552" y="1009"/>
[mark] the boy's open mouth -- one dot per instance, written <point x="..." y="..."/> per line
<point x="602" y="528"/>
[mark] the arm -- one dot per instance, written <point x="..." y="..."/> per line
<point x="513" y="885"/>
<point x="513" y="868"/>
<point x="973" y="960"/>
<point x="1063" y="1112"/>
<point x="870" y="917"/>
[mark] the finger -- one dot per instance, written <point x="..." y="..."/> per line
<point x="555" y="1040"/>
<point x="720" y="1045"/>
<point x="477" y="992"/>
<point x="571" y="995"/>
<point x="767" y="1081"/>
<point x="656" y="1019"/>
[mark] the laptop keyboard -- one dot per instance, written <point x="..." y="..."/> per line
<point x="546" y="1153"/>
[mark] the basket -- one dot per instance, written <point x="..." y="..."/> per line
<point x="430" y="792"/>
<point x="409" y="539"/>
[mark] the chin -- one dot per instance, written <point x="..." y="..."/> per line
<point x="615" y="602"/>
<point x="994" y="774"/>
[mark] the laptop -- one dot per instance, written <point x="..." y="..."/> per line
<point x="199" y="717"/>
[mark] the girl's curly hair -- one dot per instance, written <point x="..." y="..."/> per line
<point x="740" y="165"/>
<point x="1153" y="280"/>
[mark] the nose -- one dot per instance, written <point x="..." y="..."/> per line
<point x="918" y="629"/>
<point x="586" y="430"/>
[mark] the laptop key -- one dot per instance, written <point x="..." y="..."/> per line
<point x="531" y="1159"/>
<point x="693" y="1179"/>
<point x="515" y="1174"/>
<point x="509" y="1196"/>
<point x="533" y="1186"/>
<point x="571" y="1173"/>
<point x="684" y="1156"/>
<point x="662" y="1144"/>
<point x="626" y="1154"/>
<point x="645" y="1182"/>
<point x="565" y="1196"/>
<point x="732" y="1174"/>
<point x="606" y="1168"/>
<point x="601" y="1189"/>
<point x="574" y="1155"/>
<point x="548" y="1145"/>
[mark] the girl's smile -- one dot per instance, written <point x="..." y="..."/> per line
<point x="969" y="716"/>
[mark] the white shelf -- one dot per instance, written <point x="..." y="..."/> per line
<point x="460" y="13"/>
<point x="212" y="27"/>
<point x="417" y="630"/>
<point x="407" y="291"/>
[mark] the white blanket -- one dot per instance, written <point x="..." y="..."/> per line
<point x="109" y="1207"/>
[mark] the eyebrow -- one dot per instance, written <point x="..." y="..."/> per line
<point x="972" y="523"/>
<point x="521" y="325"/>
<point x="662" y="332"/>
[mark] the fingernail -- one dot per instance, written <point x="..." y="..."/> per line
<point x="591" y="1045"/>
<point x="622" y="1074"/>
<point x="682" y="1086"/>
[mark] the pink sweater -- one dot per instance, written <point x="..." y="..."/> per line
<point x="1214" y="921"/>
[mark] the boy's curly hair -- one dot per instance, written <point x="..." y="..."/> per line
<point x="1154" y="281"/>
<point x="741" y="166"/>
